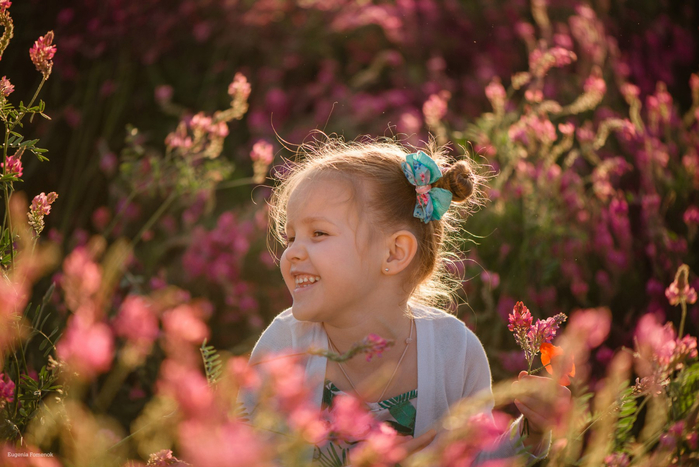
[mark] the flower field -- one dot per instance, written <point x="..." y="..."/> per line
<point x="140" y="140"/>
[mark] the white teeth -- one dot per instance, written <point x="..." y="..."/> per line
<point x="306" y="279"/>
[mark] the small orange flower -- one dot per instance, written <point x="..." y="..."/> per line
<point x="552" y="355"/>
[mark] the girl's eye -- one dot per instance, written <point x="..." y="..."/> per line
<point x="288" y="240"/>
<point x="318" y="233"/>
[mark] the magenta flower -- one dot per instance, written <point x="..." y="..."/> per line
<point x="13" y="166"/>
<point x="520" y="317"/>
<point x="6" y="88"/>
<point x="7" y="390"/>
<point x="530" y="336"/>
<point x="374" y="345"/>
<point x="42" y="53"/>
<point x="691" y="216"/>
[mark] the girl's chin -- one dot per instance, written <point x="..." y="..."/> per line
<point x="304" y="314"/>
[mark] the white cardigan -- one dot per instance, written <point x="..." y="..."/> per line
<point x="451" y="365"/>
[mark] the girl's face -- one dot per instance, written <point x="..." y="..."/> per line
<point x="330" y="266"/>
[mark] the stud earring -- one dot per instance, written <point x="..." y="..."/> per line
<point x="386" y="269"/>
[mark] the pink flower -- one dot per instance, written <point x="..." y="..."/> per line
<point x="305" y="419"/>
<point x="618" y="459"/>
<point x="4" y="5"/>
<point x="227" y="444"/>
<point x="544" y="331"/>
<point x="495" y="92"/>
<point x="163" y="93"/>
<point x="595" y="85"/>
<point x="691" y="216"/>
<point x="7" y="390"/>
<point x="593" y="324"/>
<point x="87" y="347"/>
<point x="374" y="345"/>
<point x="482" y="432"/>
<point x="81" y="279"/>
<point x="680" y="289"/>
<point x="435" y="108"/>
<point x="239" y="87"/>
<point x="350" y="421"/>
<point x="520" y="317"/>
<point x="188" y="387"/>
<point x="42" y="53"/>
<point x="165" y="458"/>
<point x="42" y="203"/>
<point x="381" y="449"/>
<point x="6" y="88"/>
<point x="182" y="324"/>
<point x="136" y="321"/>
<point x="566" y="129"/>
<point x="262" y="151"/>
<point x="13" y="166"/>
<point x="491" y="279"/>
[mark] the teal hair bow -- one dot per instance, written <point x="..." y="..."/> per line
<point x="422" y="171"/>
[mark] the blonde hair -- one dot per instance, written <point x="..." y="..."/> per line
<point x="389" y="201"/>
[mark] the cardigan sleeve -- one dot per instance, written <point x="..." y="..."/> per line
<point x="277" y="338"/>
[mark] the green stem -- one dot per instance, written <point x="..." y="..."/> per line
<point x="235" y="183"/>
<point x="121" y="212"/>
<point x="22" y="114"/>
<point x="683" y="303"/>
<point x="154" y="218"/>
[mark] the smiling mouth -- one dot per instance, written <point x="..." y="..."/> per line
<point x="305" y="280"/>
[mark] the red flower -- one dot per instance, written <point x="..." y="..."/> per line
<point x="553" y="356"/>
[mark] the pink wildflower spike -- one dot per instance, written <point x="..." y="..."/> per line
<point x="520" y="317"/>
<point x="42" y="53"/>
<point x="435" y="108"/>
<point x="4" y="5"/>
<point x="6" y="88"/>
<point x="239" y="87"/>
<point x="7" y="390"/>
<point x="680" y="290"/>
<point x="375" y="345"/>
<point x="13" y="166"/>
<point x="691" y="216"/>
<point x="41" y="206"/>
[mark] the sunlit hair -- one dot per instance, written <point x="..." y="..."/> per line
<point x="386" y="199"/>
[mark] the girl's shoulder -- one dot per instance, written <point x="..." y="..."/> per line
<point x="285" y="335"/>
<point x="448" y="329"/>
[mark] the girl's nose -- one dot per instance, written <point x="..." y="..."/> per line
<point x="296" y="251"/>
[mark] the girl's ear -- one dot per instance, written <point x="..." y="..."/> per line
<point x="402" y="248"/>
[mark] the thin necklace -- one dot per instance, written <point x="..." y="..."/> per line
<point x="407" y="343"/>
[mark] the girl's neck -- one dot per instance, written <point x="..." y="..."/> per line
<point x="390" y="323"/>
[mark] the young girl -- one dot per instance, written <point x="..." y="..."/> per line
<point x="365" y="227"/>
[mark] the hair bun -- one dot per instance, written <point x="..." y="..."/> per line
<point x="459" y="180"/>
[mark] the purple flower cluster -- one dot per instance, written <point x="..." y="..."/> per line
<point x="7" y="390"/>
<point x="528" y="335"/>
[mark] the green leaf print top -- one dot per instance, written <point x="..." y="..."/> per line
<point x="398" y="412"/>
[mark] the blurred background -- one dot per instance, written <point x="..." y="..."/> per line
<point x="586" y="112"/>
